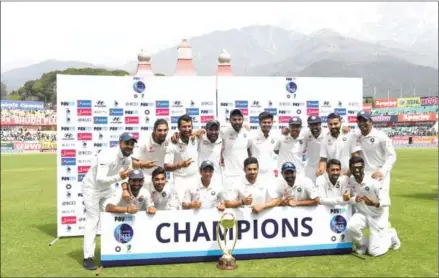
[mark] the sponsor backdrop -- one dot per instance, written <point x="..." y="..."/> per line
<point x="22" y="105"/>
<point x="192" y="236"/>
<point x="94" y="111"/>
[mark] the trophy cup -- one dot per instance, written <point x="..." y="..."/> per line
<point x="227" y="262"/>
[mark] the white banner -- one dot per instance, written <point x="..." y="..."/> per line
<point x="94" y="110"/>
<point x="191" y="235"/>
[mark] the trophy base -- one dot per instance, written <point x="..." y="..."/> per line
<point x="227" y="263"/>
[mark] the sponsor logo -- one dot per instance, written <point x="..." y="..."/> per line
<point x="123" y="233"/>
<point x="254" y="119"/>
<point x="67" y="103"/>
<point x="81" y="177"/>
<point x="244" y="111"/>
<point x="68" y="153"/>
<point x="193" y="111"/>
<point x="84" y="112"/>
<point x="84" y="128"/>
<point x="113" y="144"/>
<point x="131" y="128"/>
<point x="83" y="169"/>
<point x="84" y="120"/>
<point x="84" y="153"/>
<point x="326" y="104"/>
<point x="115" y="120"/>
<point x="68" y="161"/>
<point x="256" y="104"/>
<point x="416" y="117"/>
<point x="131" y="112"/>
<point x="68" y="220"/>
<point x="312" y="104"/>
<point x="174" y="119"/>
<point x="338" y="224"/>
<point x="385" y="103"/>
<point x="131" y="103"/>
<point x="85" y="136"/>
<point x="68" y="136"/>
<point x="285" y="103"/>
<point x="100" y="128"/>
<point x="100" y="120"/>
<point x="162" y="104"/>
<point x="354" y="104"/>
<point x="177" y="103"/>
<point x="206" y="112"/>
<point x="131" y="120"/>
<point x="291" y="87"/>
<point x="139" y="87"/>
<point x="116" y="128"/>
<point x="69" y="203"/>
<point x="116" y="112"/>
<point x="68" y="178"/>
<point x="284" y="112"/>
<point x="226" y="104"/>
<point x="100" y="145"/>
<point x="98" y="112"/>
<point x="312" y="111"/>
<point x="205" y="119"/>
<point x="429" y="101"/>
<point x="145" y="104"/>
<point x="284" y="119"/>
<point x="83" y="103"/>
<point x="69" y="145"/>
<point x="340" y="111"/>
<point x="241" y="104"/>
<point x="381" y="118"/>
<point x="64" y="128"/>
<point x="162" y="112"/>
<point x="206" y="103"/>
<point x="146" y="112"/>
<point x="272" y="111"/>
<point x="352" y="119"/>
<point x="100" y="103"/>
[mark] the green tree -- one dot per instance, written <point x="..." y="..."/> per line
<point x="4" y="91"/>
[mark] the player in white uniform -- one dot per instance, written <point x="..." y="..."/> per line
<point x="152" y="147"/>
<point x="162" y="194"/>
<point x="251" y="191"/>
<point x="262" y="143"/>
<point x="313" y="136"/>
<point x="371" y="199"/>
<point x="109" y="166"/>
<point x="137" y="200"/>
<point x="336" y="145"/>
<point x="206" y="193"/>
<point x="294" y="189"/>
<point x="291" y="147"/>
<point x="210" y="147"/>
<point x="333" y="187"/>
<point x="182" y="158"/>
<point x="236" y="146"/>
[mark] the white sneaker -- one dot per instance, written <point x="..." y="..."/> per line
<point x="361" y="249"/>
<point x="396" y="243"/>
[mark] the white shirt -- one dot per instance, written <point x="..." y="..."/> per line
<point x="370" y="188"/>
<point x="165" y="200"/>
<point x="235" y="150"/>
<point x="147" y="150"/>
<point x="377" y="151"/>
<point x="209" y="197"/>
<point x="313" y="147"/>
<point x="303" y="189"/>
<point x="210" y="151"/>
<point x="331" y="194"/>
<point x="291" y="150"/>
<point x="182" y="151"/>
<point x="340" y="148"/>
<point x="259" y="192"/>
<point x="262" y="148"/>
<point x="139" y="200"/>
<point x="105" y="169"/>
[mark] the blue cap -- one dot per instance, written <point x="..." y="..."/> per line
<point x="295" y="120"/>
<point x="288" y="166"/>
<point x="136" y="174"/>
<point x="365" y="115"/>
<point x="127" y="136"/>
<point x="314" y="120"/>
<point x="206" y="164"/>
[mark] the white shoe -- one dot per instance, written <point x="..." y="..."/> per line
<point x="360" y="249"/>
<point x="396" y="243"/>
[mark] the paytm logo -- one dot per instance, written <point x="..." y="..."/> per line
<point x="100" y="120"/>
<point x="116" y="112"/>
<point x="83" y="104"/>
<point x="312" y="104"/>
<point x="337" y="210"/>
<point x="162" y="104"/>
<point x="193" y="111"/>
<point x="241" y="104"/>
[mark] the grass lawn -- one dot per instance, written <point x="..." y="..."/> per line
<point x="28" y="224"/>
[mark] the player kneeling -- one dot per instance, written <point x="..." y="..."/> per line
<point x="371" y="200"/>
<point x="162" y="194"/>
<point x="137" y="196"/>
<point x="205" y="194"/>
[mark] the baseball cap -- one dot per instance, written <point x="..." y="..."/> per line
<point x="314" y="120"/>
<point x="365" y="115"/>
<point x="127" y="136"/>
<point x="295" y="121"/>
<point x="288" y="166"/>
<point x="211" y="123"/>
<point x="136" y="174"/>
<point x="236" y="111"/>
<point x="207" y="163"/>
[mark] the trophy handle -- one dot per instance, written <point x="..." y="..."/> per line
<point x="218" y="236"/>
<point x="236" y="233"/>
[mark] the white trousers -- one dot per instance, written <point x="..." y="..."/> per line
<point x="94" y="204"/>
<point x="310" y="172"/>
<point x="379" y="240"/>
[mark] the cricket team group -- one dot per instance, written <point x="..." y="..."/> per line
<point x="233" y="166"/>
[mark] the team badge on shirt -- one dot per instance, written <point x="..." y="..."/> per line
<point x="272" y="141"/>
<point x="213" y="193"/>
<point x="164" y="194"/>
<point x="372" y="140"/>
<point x="301" y="142"/>
<point x="344" y="138"/>
<point x="366" y="188"/>
<point x="141" y="199"/>
<point x="299" y="189"/>
<point x="337" y="185"/>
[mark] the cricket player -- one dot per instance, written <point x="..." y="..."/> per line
<point x="313" y="136"/>
<point x="333" y="186"/>
<point x="291" y="147"/>
<point x="138" y="194"/>
<point x="206" y="193"/>
<point x="371" y="198"/>
<point x="251" y="191"/>
<point x="262" y="143"/>
<point x="294" y="189"/>
<point x="110" y="166"/>
<point x="162" y="194"/>
<point x="336" y="145"/>
<point x="182" y="158"/>
<point x="210" y="147"/>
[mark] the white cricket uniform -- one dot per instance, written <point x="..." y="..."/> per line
<point x="369" y="216"/>
<point x="188" y="176"/>
<point x="259" y="192"/>
<point x="262" y="148"/>
<point x="149" y="150"/>
<point x="97" y="187"/>
<point x="303" y="189"/>
<point x="340" y="148"/>
<point x="235" y="146"/>
<point x="291" y="150"/>
<point x="209" y="197"/>
<point x="139" y="200"/>
<point x="167" y="199"/>
<point x="332" y="194"/>
<point x="212" y="152"/>
<point x="312" y="147"/>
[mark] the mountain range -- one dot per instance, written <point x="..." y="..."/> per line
<point x="273" y="51"/>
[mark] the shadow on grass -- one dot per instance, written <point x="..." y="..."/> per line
<point x="49" y="229"/>
<point x="424" y="196"/>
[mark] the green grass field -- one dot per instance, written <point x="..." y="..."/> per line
<point x="28" y="210"/>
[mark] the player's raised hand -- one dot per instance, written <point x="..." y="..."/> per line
<point x="186" y="163"/>
<point x="124" y="173"/>
<point x="346" y="196"/>
<point x="148" y="164"/>
<point x="175" y="137"/>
